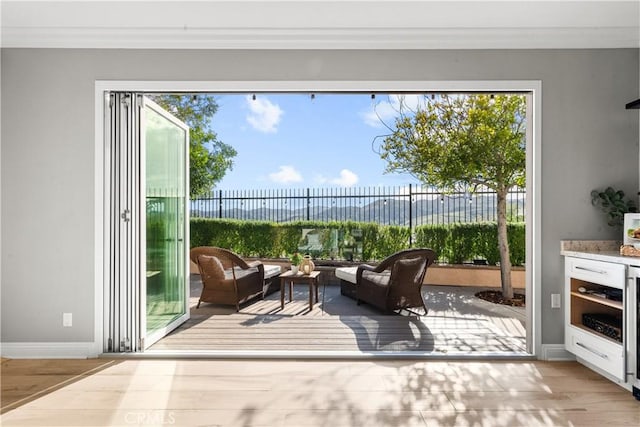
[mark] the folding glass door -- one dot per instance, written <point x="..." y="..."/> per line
<point x="147" y="292"/>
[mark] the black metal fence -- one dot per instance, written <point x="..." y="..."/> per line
<point x="409" y="206"/>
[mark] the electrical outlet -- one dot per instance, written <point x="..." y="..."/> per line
<point x="67" y="320"/>
<point x="555" y="300"/>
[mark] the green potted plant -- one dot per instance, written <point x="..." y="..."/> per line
<point x="295" y="259"/>
<point x="613" y="203"/>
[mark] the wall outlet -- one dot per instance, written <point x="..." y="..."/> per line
<point x="555" y="300"/>
<point x="67" y="320"/>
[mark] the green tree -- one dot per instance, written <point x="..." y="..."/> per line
<point x="459" y="142"/>
<point x="209" y="158"/>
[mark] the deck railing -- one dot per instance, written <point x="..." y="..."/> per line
<point x="410" y="205"/>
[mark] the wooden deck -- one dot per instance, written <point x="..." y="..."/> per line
<point x="441" y="335"/>
<point x="457" y="324"/>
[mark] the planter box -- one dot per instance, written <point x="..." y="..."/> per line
<point x="472" y="275"/>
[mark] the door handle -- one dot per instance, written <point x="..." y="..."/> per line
<point x="590" y="270"/>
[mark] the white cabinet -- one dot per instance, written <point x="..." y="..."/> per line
<point x="595" y="295"/>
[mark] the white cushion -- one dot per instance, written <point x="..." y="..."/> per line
<point x="348" y="274"/>
<point x="271" y="270"/>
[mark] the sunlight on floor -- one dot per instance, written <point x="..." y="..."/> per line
<point x="336" y="393"/>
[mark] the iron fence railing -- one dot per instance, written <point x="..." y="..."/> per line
<point x="410" y="205"/>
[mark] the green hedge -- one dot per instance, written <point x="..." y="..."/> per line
<point x="269" y="239"/>
<point x="453" y="243"/>
<point x="456" y="243"/>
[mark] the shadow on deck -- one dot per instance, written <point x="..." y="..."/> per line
<point x="458" y="323"/>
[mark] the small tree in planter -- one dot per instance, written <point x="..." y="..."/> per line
<point x="464" y="141"/>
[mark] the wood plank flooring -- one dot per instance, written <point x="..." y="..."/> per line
<point x="25" y="380"/>
<point x="311" y="393"/>
<point x="457" y="324"/>
<point x="443" y="335"/>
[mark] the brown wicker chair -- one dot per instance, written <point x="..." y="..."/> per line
<point x="227" y="278"/>
<point x="396" y="282"/>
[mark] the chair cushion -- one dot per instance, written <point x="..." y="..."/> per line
<point x="211" y="268"/>
<point x="271" y="271"/>
<point x="240" y="272"/>
<point x="348" y="274"/>
<point x="380" y="279"/>
<point x="408" y="270"/>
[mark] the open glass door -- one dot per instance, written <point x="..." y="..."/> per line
<point x="146" y="223"/>
<point x="165" y="302"/>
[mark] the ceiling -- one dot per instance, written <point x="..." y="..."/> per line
<point x="314" y="24"/>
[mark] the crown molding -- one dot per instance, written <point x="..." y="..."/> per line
<point x="315" y="24"/>
<point x="316" y="38"/>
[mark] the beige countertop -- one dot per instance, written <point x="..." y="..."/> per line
<point x="599" y="250"/>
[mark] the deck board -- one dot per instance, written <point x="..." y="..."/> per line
<point x="337" y="323"/>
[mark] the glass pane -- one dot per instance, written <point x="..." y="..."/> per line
<point x="165" y="178"/>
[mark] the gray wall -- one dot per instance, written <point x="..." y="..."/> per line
<point x="588" y="141"/>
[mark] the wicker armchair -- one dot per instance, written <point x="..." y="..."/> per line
<point x="227" y="278"/>
<point x="396" y="282"/>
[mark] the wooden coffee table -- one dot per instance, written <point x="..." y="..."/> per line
<point x="289" y="277"/>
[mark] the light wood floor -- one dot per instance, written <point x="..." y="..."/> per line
<point x="248" y="393"/>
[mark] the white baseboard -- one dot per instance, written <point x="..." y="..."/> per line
<point x="83" y="350"/>
<point x="555" y="352"/>
<point x="49" y="350"/>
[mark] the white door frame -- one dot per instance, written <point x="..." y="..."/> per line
<point x="133" y="303"/>
<point x="533" y="159"/>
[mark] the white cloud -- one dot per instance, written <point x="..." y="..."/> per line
<point x="386" y="111"/>
<point x="382" y="112"/>
<point x="286" y="175"/>
<point x="264" y="115"/>
<point x="346" y="179"/>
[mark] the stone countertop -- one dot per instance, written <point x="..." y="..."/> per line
<point x="598" y="250"/>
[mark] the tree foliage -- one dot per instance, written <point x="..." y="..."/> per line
<point x="460" y="142"/>
<point x="209" y="158"/>
<point x="456" y="141"/>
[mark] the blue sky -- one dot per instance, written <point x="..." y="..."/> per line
<point x="293" y="141"/>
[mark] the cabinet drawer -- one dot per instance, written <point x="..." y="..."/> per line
<point x="603" y="273"/>
<point x="598" y="351"/>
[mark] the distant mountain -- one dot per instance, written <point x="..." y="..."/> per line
<point x="391" y="211"/>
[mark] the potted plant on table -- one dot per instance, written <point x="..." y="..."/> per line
<point x="295" y="259"/>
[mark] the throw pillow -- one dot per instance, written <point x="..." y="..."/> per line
<point x="407" y="270"/>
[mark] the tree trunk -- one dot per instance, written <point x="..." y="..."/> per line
<point x="503" y="245"/>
